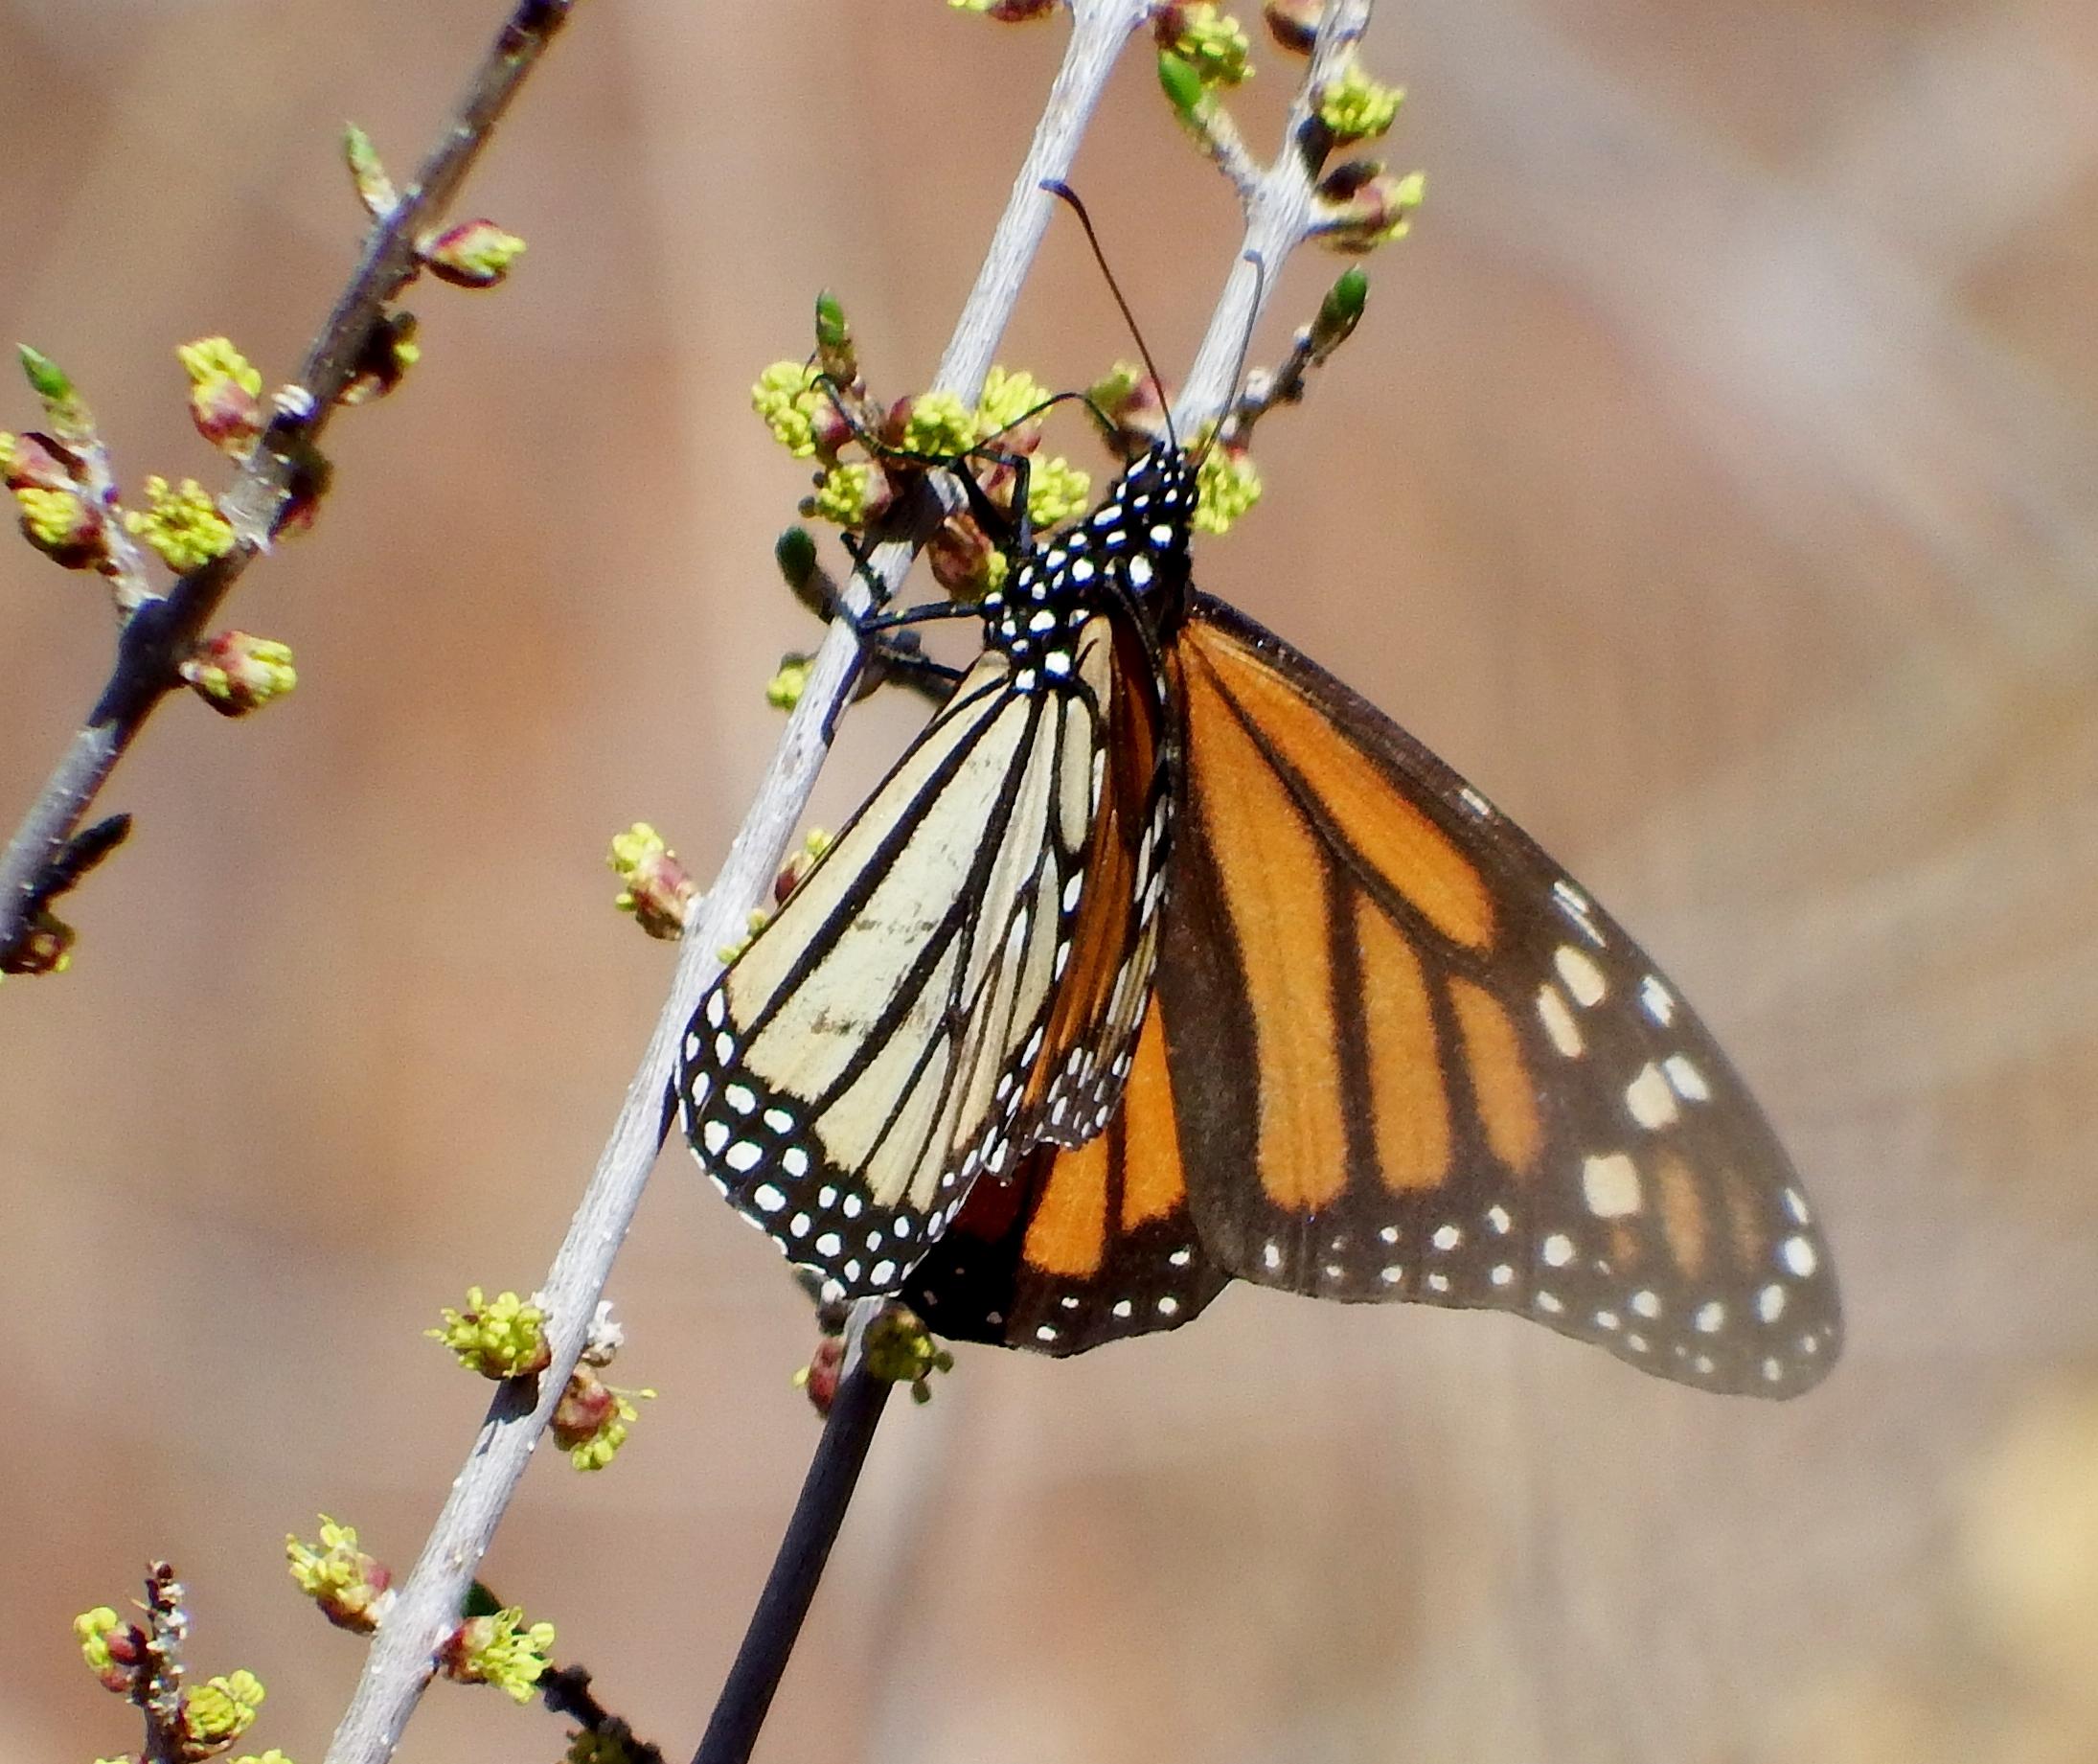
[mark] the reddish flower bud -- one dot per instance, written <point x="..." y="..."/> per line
<point x="226" y="413"/>
<point x="829" y="427"/>
<point x="819" y="1378"/>
<point x="586" y="1406"/>
<point x="235" y="673"/>
<point x="964" y="560"/>
<point x="473" y="254"/>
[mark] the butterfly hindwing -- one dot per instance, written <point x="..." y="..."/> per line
<point x="1084" y="1246"/>
<point x="1412" y="1059"/>
<point x="1103" y="993"/>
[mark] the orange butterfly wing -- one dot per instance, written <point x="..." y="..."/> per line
<point x="1082" y="1246"/>
<point x="1412" y="1059"/>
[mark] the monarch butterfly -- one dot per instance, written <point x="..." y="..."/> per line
<point x="1391" y="1052"/>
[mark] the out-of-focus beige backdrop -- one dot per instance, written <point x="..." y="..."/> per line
<point x="1715" y="480"/>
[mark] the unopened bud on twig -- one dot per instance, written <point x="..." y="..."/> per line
<point x="45" y="945"/>
<point x="389" y="353"/>
<point x="963" y="560"/>
<point x="1364" y="206"/>
<point x="1338" y="313"/>
<point x="63" y="407"/>
<point x="795" y="870"/>
<point x="375" y="189"/>
<point x="1134" y="402"/>
<point x="473" y="254"/>
<point x="818" y="1380"/>
<point x="836" y="354"/>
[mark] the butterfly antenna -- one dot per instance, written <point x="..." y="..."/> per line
<point x="1246" y="347"/>
<point x="1064" y="192"/>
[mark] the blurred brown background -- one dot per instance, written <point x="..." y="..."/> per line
<point x="1715" y="480"/>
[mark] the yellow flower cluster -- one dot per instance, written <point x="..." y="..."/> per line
<point x="182" y="524"/>
<point x="222" y="1708"/>
<point x="1356" y="107"/>
<point x="1215" y="44"/>
<point x="498" y="1338"/>
<point x="1226" y="485"/>
<point x="787" y="399"/>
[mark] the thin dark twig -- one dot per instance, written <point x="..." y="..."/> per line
<point x="833" y="1472"/>
<point x="160" y="631"/>
<point x="567" y="1691"/>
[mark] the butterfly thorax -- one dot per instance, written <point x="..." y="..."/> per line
<point x="1132" y="550"/>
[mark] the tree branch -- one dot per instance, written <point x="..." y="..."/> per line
<point x="826" y="1492"/>
<point x="159" y="631"/>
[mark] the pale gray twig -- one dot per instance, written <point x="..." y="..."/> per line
<point x="160" y="629"/>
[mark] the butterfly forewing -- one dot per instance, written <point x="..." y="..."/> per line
<point x="964" y="970"/>
<point x="1412" y="1059"/>
<point x="873" y="1043"/>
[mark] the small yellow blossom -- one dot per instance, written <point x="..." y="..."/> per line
<point x="1008" y="397"/>
<point x="634" y="847"/>
<point x="939" y="424"/>
<point x="350" y="1586"/>
<point x="593" y="1420"/>
<point x="498" y="1650"/>
<point x="93" y="1629"/>
<point x="1215" y="44"/>
<point x="786" y="396"/>
<point x="1227" y="485"/>
<point x="900" y="1349"/>
<point x="784" y="690"/>
<point x="57" y="519"/>
<point x="498" y="1338"/>
<point x="1055" y="490"/>
<point x="211" y="358"/>
<point x="183" y="525"/>
<point x="271" y="1756"/>
<point x="842" y="496"/>
<point x="221" y="1709"/>
<point x="1354" y="108"/>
